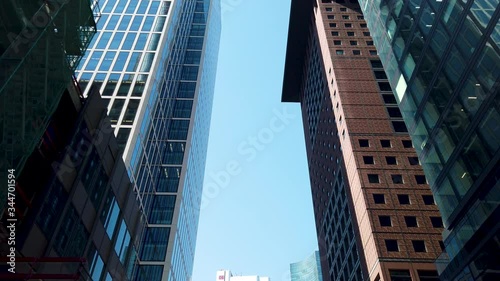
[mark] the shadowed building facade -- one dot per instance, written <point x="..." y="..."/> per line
<point x="443" y="60"/>
<point x="375" y="214"/>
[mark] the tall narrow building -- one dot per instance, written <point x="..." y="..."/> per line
<point x="154" y="62"/>
<point x="375" y="214"/>
<point x="443" y="60"/>
<point x="307" y="270"/>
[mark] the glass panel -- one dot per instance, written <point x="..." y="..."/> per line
<point x="124" y="23"/>
<point x="162" y="209"/>
<point x="128" y="118"/>
<point x="154" y="245"/>
<point x="116" y="110"/>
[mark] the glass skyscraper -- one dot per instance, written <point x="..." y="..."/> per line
<point x="443" y="60"/>
<point x="307" y="270"/>
<point x="154" y="62"/>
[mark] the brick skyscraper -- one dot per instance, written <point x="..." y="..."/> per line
<point x="375" y="214"/>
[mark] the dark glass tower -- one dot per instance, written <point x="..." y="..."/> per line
<point x="443" y="60"/>
<point x="154" y="63"/>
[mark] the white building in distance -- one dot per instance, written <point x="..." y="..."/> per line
<point x="226" y="275"/>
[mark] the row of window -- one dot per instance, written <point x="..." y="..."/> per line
<point x="132" y="8"/>
<point x="391" y="160"/>
<point x="410" y="221"/>
<point x="385" y="143"/>
<point x="403" y="199"/>
<point x="346" y="25"/>
<point x="419" y="246"/>
<point x="351" y="42"/>
<point x="404" y="275"/>
<point x="346" y="17"/>
<point x="330" y="9"/>
<point x="349" y="33"/>
<point x="396" y="179"/>
<point x="356" y="52"/>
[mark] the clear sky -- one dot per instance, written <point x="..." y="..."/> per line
<point x="257" y="215"/>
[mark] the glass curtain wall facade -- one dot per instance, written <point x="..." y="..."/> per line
<point x="307" y="270"/>
<point x="443" y="60"/>
<point x="155" y="64"/>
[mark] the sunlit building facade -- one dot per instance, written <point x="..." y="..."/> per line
<point x="443" y="60"/>
<point x="376" y="218"/>
<point x="154" y="63"/>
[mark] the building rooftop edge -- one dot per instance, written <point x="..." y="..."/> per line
<point x="298" y="30"/>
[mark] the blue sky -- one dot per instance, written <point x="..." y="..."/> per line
<point x="256" y="215"/>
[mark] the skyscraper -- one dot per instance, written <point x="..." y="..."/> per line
<point x="155" y="62"/>
<point x="443" y="60"/>
<point x="375" y="214"/>
<point x="307" y="270"/>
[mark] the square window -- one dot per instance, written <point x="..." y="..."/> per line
<point x="373" y="53"/>
<point x="348" y="25"/>
<point x="385" y="143"/>
<point x="428" y="199"/>
<point x="339" y="52"/>
<point x="399" y="127"/>
<point x="350" y="33"/>
<point x="379" y="198"/>
<point x="397" y="179"/>
<point x="394" y="112"/>
<point x="389" y="99"/>
<point x="356" y="52"/>
<point x="332" y="24"/>
<point x="391" y="245"/>
<point x="407" y="143"/>
<point x="331" y="17"/>
<point x="380" y="74"/>
<point x="361" y="18"/>
<point x="413" y="161"/>
<point x="428" y="275"/>
<point x="362" y="25"/>
<point x="329" y="9"/>
<point x="373" y="178"/>
<point x="420" y="179"/>
<point x="368" y="160"/>
<point x="343" y="9"/>
<point x="400" y="275"/>
<point x="369" y="43"/>
<point x="411" y="221"/>
<point x="364" y="143"/>
<point x="353" y="43"/>
<point x="384" y="86"/>
<point x="345" y="17"/>
<point x="436" y="222"/>
<point x="441" y="245"/>
<point x="419" y="246"/>
<point x="404" y="199"/>
<point x="376" y="64"/>
<point x="366" y="33"/>
<point x="385" y="220"/>
<point x="391" y="160"/>
<point x="337" y="42"/>
<point x="335" y="33"/>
